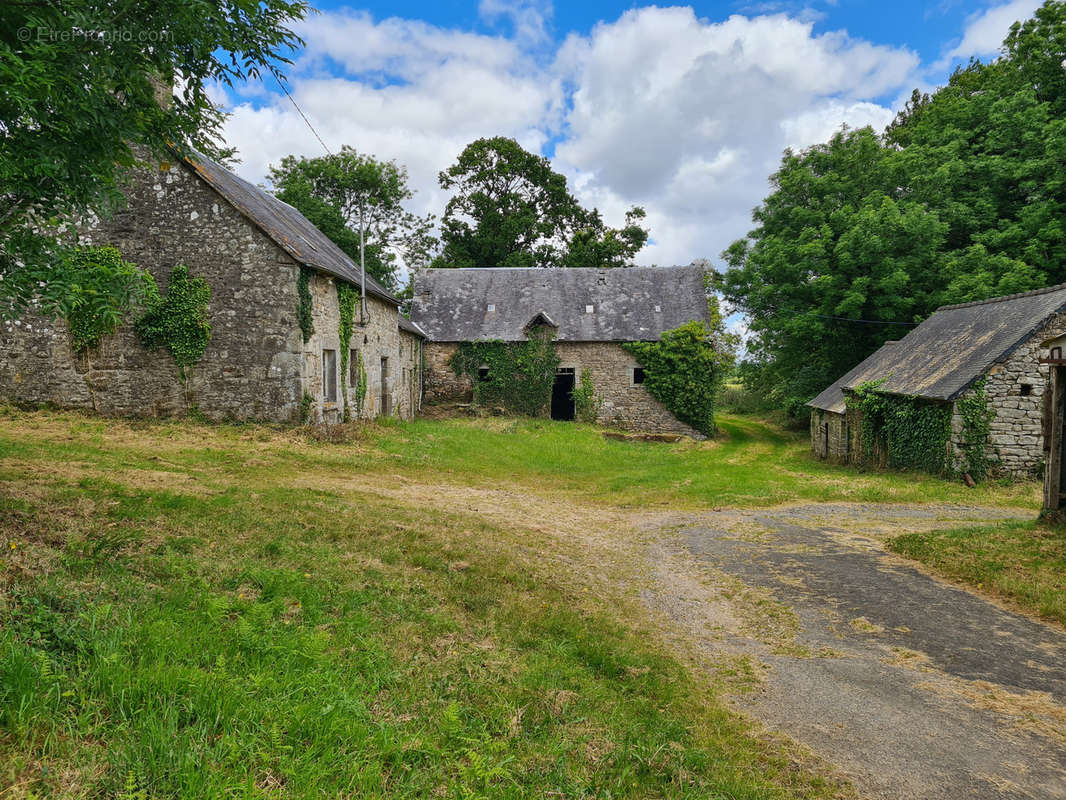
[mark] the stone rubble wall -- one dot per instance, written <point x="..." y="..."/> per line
<point x="375" y="338"/>
<point x="256" y="365"/>
<point x="829" y="436"/>
<point x="624" y="405"/>
<point x="252" y="366"/>
<point x="1016" y="436"/>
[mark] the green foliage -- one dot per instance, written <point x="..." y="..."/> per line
<point x="962" y="198"/>
<point x="586" y="404"/>
<point x="178" y="320"/>
<point x="305" y="311"/>
<point x="520" y="374"/>
<point x="907" y="432"/>
<point x="102" y="290"/>
<point x="343" y="193"/>
<point x="347" y="297"/>
<point x="684" y="371"/>
<point x="510" y="209"/>
<point x="976" y="425"/>
<point x="75" y="105"/>
<point x="307" y="403"/>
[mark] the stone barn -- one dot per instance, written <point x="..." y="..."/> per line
<point x="251" y="249"/>
<point x="591" y="312"/>
<point x="996" y="343"/>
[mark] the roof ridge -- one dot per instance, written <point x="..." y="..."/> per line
<point x="555" y="269"/>
<point x="1002" y="298"/>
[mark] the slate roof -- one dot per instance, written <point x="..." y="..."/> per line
<point x="452" y="305"/>
<point x="286" y="226"/>
<point x="406" y="325"/>
<point x="941" y="358"/>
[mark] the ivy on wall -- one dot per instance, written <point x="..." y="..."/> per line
<point x="347" y="297"/>
<point x="520" y="374"/>
<point x="910" y="433"/>
<point x="303" y="291"/>
<point x="107" y="285"/>
<point x="684" y="371"/>
<point x="586" y="404"/>
<point x="976" y="426"/>
<point x="360" y="386"/>
<point x="177" y="320"/>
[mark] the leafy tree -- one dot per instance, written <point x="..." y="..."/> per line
<point x="510" y="209"/>
<point x="962" y="198"/>
<point x="79" y="81"/>
<point x="357" y="201"/>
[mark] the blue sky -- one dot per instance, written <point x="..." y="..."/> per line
<point x="684" y="110"/>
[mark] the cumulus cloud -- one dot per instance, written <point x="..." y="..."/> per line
<point x="986" y="30"/>
<point x="660" y="108"/>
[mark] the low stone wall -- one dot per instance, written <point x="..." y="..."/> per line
<point x="624" y="405"/>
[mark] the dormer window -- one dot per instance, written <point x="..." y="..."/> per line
<point x="590" y="309"/>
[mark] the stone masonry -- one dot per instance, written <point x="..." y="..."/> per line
<point x="256" y="365"/>
<point x="829" y="436"/>
<point x="624" y="405"/>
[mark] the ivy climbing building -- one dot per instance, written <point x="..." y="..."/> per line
<point x="589" y="316"/>
<point x="286" y="334"/>
<point x="963" y="392"/>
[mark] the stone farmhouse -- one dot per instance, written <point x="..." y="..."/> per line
<point x="250" y="248"/>
<point x="591" y="311"/>
<point x="999" y="340"/>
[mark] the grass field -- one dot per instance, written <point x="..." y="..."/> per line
<point x="196" y="611"/>
<point x="1024" y="562"/>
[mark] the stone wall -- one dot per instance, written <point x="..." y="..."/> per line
<point x="624" y="405"/>
<point x="1016" y="446"/>
<point x="251" y="369"/>
<point x="256" y="365"/>
<point x="829" y="436"/>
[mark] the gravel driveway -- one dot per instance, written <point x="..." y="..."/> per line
<point x="913" y="687"/>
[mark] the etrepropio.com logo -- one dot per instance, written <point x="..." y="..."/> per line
<point x="75" y="35"/>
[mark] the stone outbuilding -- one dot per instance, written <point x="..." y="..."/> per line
<point x="591" y="312"/>
<point x="250" y="248"/>
<point x="997" y="341"/>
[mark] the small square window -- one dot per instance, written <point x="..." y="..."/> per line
<point x="329" y="375"/>
<point x="658" y="309"/>
<point x="482" y="373"/>
<point x="492" y="306"/>
<point x="590" y="309"/>
<point x="638" y="376"/>
<point x="1026" y="389"/>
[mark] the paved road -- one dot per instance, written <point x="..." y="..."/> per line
<point x="916" y="688"/>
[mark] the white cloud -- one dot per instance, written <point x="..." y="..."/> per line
<point x="986" y="30"/>
<point x="530" y="19"/>
<point x="659" y="108"/>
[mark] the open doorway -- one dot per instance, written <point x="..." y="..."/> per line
<point x="563" y="394"/>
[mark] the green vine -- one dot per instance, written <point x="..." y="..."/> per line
<point x="586" y="404"/>
<point x="307" y="402"/>
<point x="520" y="374"/>
<point x="106" y="286"/>
<point x="976" y="426"/>
<point x="347" y="296"/>
<point x="684" y="371"/>
<point x="303" y="290"/>
<point x="909" y="433"/>
<point x="177" y="321"/>
<point x="360" y="386"/>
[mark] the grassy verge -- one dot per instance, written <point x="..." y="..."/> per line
<point x="1024" y="562"/>
<point x="196" y="612"/>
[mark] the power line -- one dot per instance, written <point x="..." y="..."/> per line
<point x="301" y="113"/>
<point x="779" y="312"/>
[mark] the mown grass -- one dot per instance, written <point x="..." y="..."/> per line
<point x="178" y="619"/>
<point x="750" y="464"/>
<point x="1024" y="562"/>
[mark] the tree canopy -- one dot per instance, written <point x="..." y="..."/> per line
<point x="347" y="191"/>
<point x="511" y="209"/>
<point x="79" y="88"/>
<point x="962" y="198"/>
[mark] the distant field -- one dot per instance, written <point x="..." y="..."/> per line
<point x="198" y="611"/>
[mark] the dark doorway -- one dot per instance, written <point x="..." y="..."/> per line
<point x="563" y="394"/>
